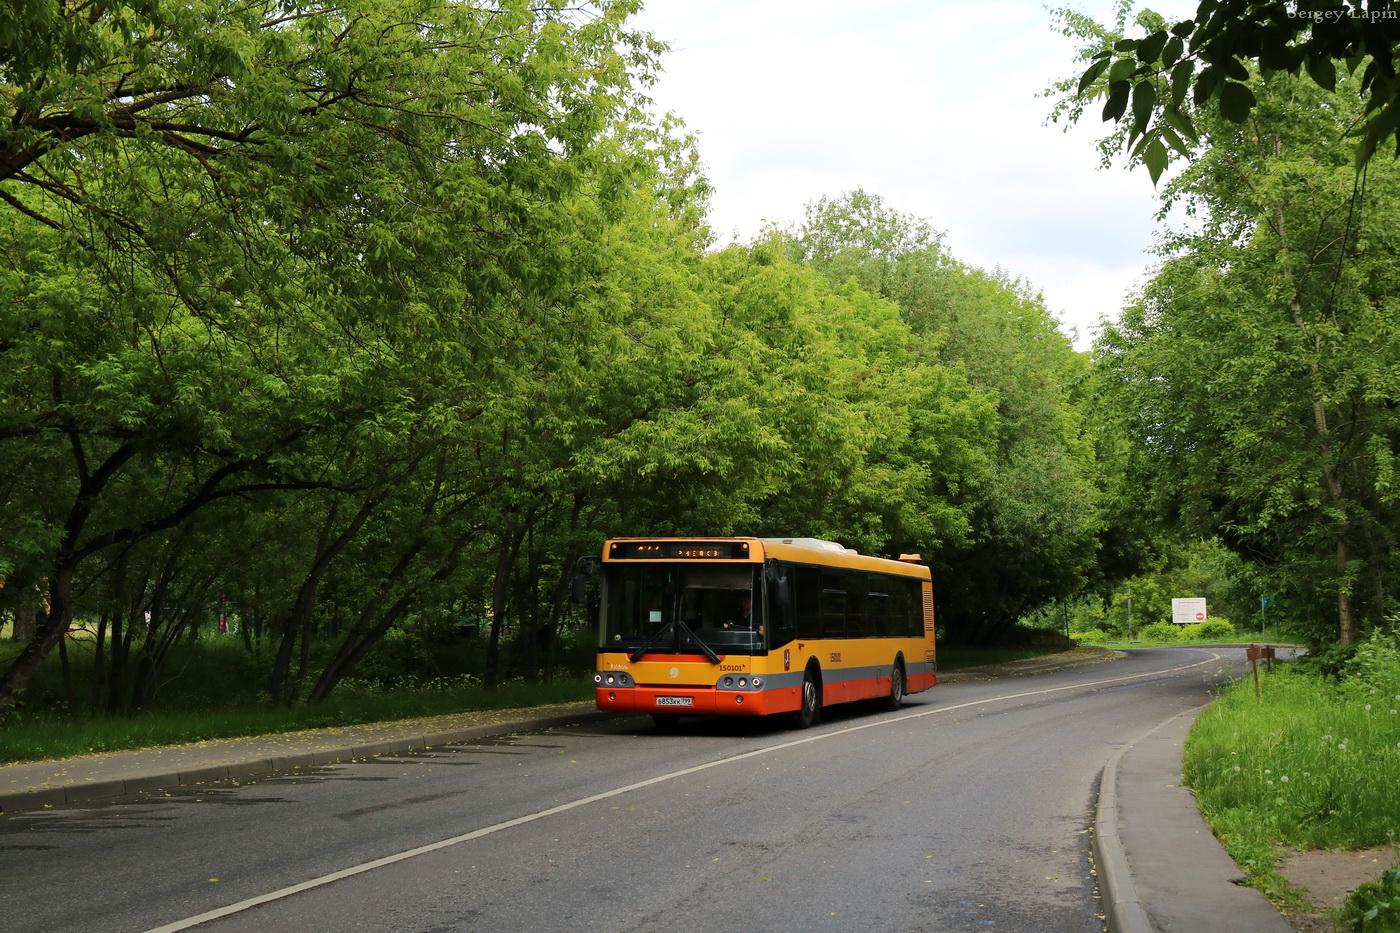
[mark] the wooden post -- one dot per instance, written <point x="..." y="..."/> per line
<point x="1255" y="653"/>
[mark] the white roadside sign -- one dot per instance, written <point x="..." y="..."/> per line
<point x="1186" y="611"/>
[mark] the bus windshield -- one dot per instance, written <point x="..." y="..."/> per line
<point x="713" y="603"/>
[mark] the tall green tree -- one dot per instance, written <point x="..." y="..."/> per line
<point x="1030" y="500"/>
<point x="239" y="239"/>
<point x="867" y="439"/>
<point x="1258" y="375"/>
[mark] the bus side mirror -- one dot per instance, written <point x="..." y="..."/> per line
<point x="584" y="569"/>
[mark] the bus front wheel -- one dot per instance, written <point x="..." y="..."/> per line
<point x="811" y="712"/>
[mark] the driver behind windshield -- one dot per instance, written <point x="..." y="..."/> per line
<point x="743" y="619"/>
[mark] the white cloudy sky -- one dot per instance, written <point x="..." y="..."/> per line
<point x="931" y="105"/>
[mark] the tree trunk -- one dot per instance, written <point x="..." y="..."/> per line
<point x="350" y="654"/>
<point x="24" y="621"/>
<point x="299" y="619"/>
<point x="558" y="607"/>
<point x="1346" y="626"/>
<point x="99" y="662"/>
<point x="500" y="593"/>
<point x="48" y="629"/>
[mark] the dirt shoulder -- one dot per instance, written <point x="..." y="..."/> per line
<point x="1327" y="878"/>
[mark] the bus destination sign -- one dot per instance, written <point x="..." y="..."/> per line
<point x="679" y="550"/>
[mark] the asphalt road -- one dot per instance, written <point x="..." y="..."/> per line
<point x="968" y="810"/>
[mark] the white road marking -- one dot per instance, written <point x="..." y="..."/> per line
<point x="251" y="902"/>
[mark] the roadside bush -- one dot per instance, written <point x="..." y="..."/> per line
<point x="578" y="651"/>
<point x="1217" y="629"/>
<point x="1160" y="631"/>
<point x="1371" y="679"/>
<point x="418" y="652"/>
<point x="1209" y="630"/>
<point x="1093" y="636"/>
<point x="1374" y="666"/>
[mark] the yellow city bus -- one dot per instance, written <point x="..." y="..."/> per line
<point x="756" y="626"/>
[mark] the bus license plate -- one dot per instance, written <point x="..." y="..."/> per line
<point x="674" y="701"/>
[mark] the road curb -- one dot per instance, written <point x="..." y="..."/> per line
<point x="1123" y="910"/>
<point x="42" y="796"/>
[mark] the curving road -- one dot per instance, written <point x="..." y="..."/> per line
<point x="968" y="810"/>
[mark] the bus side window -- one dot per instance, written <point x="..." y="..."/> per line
<point x="782" y="626"/>
<point x="877" y="606"/>
<point x="913" y="622"/>
<point x="807" y="593"/>
<point x="833" y="605"/>
<point x="856" y="623"/>
<point x="897" y="618"/>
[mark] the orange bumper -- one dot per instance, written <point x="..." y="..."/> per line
<point x="697" y="701"/>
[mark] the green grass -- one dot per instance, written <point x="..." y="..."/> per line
<point x="1313" y="762"/>
<point x="52" y="735"/>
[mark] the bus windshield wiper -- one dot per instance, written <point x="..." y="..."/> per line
<point x="709" y="652"/>
<point x="635" y="656"/>
<point x="670" y="627"/>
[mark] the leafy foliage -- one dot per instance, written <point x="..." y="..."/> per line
<point x="1374" y="907"/>
<point x="1155" y="84"/>
<point x="216" y="363"/>
<point x="1210" y="630"/>
<point x="1256" y="374"/>
<point x="1029" y="499"/>
<point x="1160" y="631"/>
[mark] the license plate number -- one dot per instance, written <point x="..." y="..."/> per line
<point x="674" y="701"/>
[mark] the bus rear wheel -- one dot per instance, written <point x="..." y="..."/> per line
<point x="811" y="712"/>
<point x="896" y="698"/>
